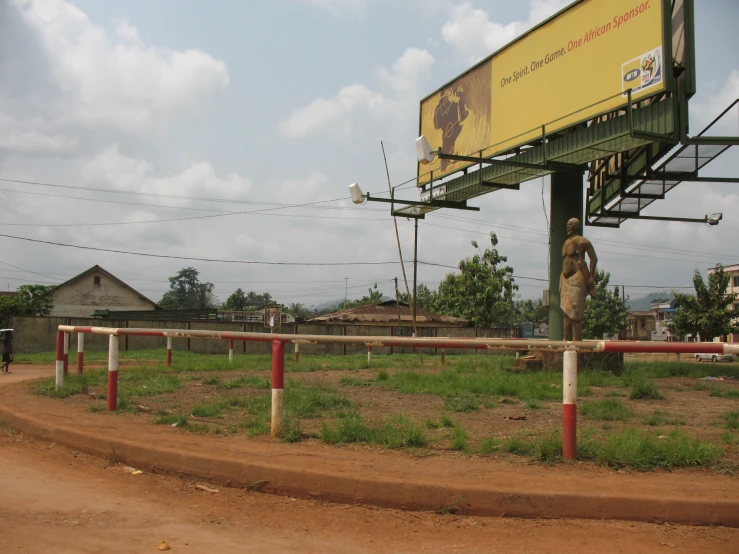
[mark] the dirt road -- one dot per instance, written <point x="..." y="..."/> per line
<point x="53" y="499"/>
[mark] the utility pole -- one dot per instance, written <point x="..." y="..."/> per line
<point x="415" y="274"/>
<point x="397" y="299"/>
<point x="346" y="290"/>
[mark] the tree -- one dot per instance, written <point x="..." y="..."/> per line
<point x="236" y="302"/>
<point x="531" y="311"/>
<point x="297" y="310"/>
<point x="374" y="296"/>
<point x="709" y="313"/>
<point x="425" y="297"/>
<point x="186" y="292"/>
<point x="606" y="313"/>
<point x="483" y="292"/>
<point x="32" y="300"/>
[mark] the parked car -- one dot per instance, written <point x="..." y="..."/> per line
<point x="714" y="357"/>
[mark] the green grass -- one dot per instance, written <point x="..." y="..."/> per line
<point x="459" y="438"/>
<point x="546" y="448"/>
<point x="252" y="381"/>
<point x="609" y="409"/>
<point x="490" y="445"/>
<point x="720" y="392"/>
<point x="178" y="419"/>
<point x="658" y="418"/>
<point x="642" y="389"/>
<point x="461" y="403"/>
<point x="732" y="419"/>
<point x="395" y="432"/>
<point x="645" y="451"/>
<point x="354" y="382"/>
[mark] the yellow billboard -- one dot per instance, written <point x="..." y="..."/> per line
<point x="574" y="67"/>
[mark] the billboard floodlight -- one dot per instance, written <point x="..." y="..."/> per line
<point x="356" y="193"/>
<point x="423" y="150"/>
<point x="713" y="219"/>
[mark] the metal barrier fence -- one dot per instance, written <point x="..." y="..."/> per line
<point x="569" y="349"/>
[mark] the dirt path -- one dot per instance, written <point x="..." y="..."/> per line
<point x="55" y="499"/>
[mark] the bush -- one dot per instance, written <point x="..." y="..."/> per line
<point x="645" y="390"/>
<point x="645" y="451"/>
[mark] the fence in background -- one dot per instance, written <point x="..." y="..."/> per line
<point x="38" y="334"/>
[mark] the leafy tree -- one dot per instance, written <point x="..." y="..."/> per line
<point x="374" y="296"/>
<point x="606" y="313"/>
<point x="186" y="292"/>
<point x="32" y="300"/>
<point x="709" y="313"/>
<point x="531" y="311"/>
<point x="236" y="302"/>
<point x="425" y="297"/>
<point x="483" y="292"/>
<point x="297" y="310"/>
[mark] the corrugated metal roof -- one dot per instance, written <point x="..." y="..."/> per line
<point x="387" y="312"/>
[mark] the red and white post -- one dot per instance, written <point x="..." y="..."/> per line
<point x="369" y="354"/>
<point x="113" y="360"/>
<point x="59" y="359"/>
<point x="66" y="353"/>
<point x="569" y="398"/>
<point x="278" y="384"/>
<point x="297" y="352"/>
<point x="169" y="351"/>
<point x="80" y="353"/>
<point x="230" y="351"/>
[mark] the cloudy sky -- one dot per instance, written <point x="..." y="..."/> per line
<point x="190" y="110"/>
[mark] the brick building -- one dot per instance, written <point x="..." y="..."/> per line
<point x="96" y="289"/>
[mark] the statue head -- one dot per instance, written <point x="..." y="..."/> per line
<point x="573" y="226"/>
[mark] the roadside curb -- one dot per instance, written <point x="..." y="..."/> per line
<point x="283" y="478"/>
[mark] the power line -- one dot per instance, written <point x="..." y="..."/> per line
<point x="190" y="258"/>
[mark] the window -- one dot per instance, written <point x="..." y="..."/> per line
<point x="736" y="280"/>
<point x="96" y="280"/>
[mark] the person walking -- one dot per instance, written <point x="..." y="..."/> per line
<point x="6" y="346"/>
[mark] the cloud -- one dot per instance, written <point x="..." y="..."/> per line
<point x="336" y="115"/>
<point x="474" y="35"/>
<point x="329" y="114"/>
<point x="111" y="169"/>
<point x="97" y="79"/>
<point x="706" y="108"/>
<point x="339" y="7"/>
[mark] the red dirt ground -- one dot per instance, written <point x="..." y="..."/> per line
<point x="52" y="498"/>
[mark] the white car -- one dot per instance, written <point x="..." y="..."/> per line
<point x="714" y="357"/>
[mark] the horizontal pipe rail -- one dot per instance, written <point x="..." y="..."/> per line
<point x="426" y="342"/>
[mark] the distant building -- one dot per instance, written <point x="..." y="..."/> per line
<point x="95" y="290"/>
<point x="11" y="294"/>
<point x="663" y="314"/>
<point x="640" y="324"/>
<point x="733" y="272"/>
<point x="388" y="313"/>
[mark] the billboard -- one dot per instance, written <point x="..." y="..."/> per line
<point x="571" y="68"/>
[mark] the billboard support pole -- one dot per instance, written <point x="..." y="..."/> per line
<point x="566" y="202"/>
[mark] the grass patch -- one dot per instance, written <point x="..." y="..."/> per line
<point x="383" y="375"/>
<point x="94" y="408"/>
<point x="354" y="382"/>
<point x="252" y="381"/>
<point x="459" y="438"/>
<point x="645" y="390"/>
<point x="609" y="409"/>
<point x="395" y="432"/>
<point x="73" y="384"/>
<point x="730" y="438"/>
<point x="545" y="448"/>
<point x="645" y="451"/>
<point x="732" y="419"/>
<point x="462" y="403"/>
<point x="534" y="405"/>
<point x="172" y="419"/>
<point x="719" y="392"/>
<point x="490" y="445"/>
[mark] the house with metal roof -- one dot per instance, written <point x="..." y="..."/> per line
<point x="97" y="289"/>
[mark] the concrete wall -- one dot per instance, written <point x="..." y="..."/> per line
<point x="82" y="297"/>
<point x="38" y="334"/>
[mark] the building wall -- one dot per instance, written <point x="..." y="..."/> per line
<point x="81" y="298"/>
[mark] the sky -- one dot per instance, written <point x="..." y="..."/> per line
<point x="190" y="110"/>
